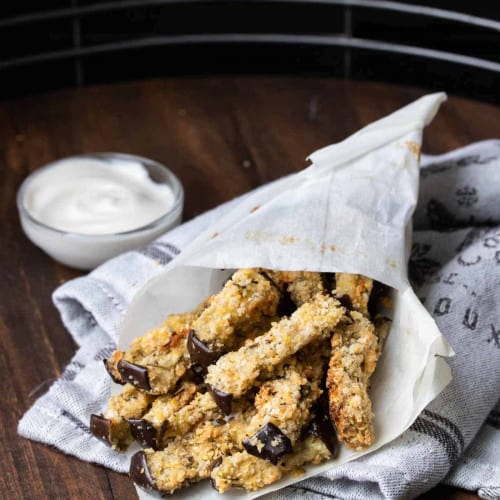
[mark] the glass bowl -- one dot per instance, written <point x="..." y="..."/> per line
<point x="86" y="251"/>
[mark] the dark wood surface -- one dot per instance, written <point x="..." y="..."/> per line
<point x="222" y="137"/>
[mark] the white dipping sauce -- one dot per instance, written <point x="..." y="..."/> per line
<point x="87" y="209"/>
<point x="93" y="197"/>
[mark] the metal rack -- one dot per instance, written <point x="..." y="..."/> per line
<point x="81" y="42"/>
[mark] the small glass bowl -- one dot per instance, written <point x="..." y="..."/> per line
<point x="86" y="251"/>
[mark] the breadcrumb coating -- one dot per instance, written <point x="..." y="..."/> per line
<point x="129" y="403"/>
<point x="357" y="287"/>
<point x="355" y="352"/>
<point x="242" y="470"/>
<point x="164" y="409"/>
<point x="190" y="457"/>
<point x="286" y="401"/>
<point x="201" y="408"/>
<point x="235" y="372"/>
<point x="246" y="299"/>
<point x="301" y="285"/>
<point x="162" y="351"/>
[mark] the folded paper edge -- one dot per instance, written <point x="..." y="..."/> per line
<point x="413" y="116"/>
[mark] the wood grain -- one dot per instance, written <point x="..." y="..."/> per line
<point x="221" y="136"/>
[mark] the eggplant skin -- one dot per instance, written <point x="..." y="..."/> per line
<point x="143" y="432"/>
<point x="199" y="352"/>
<point x="222" y="399"/>
<point x="268" y="443"/>
<point x="141" y="475"/>
<point x="136" y="375"/>
<point x="100" y="427"/>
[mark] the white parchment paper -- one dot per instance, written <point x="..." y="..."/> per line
<point x="350" y="211"/>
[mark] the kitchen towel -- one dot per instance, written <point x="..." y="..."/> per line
<point x="455" y="270"/>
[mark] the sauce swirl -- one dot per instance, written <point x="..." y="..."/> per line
<point x="95" y="197"/>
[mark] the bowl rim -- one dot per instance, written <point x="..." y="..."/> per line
<point x="174" y="183"/>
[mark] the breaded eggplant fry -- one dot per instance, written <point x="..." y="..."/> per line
<point x="260" y="349"/>
<point x="112" y="427"/>
<point x="190" y="457"/>
<point x="355" y="352"/>
<point x="246" y="299"/>
<point x="149" y="429"/>
<point x="301" y="285"/>
<point x="356" y="287"/>
<point x="157" y="360"/>
<point x="287" y="400"/>
<point x="201" y="408"/>
<point x="185" y="460"/>
<point x="242" y="470"/>
<point x="235" y="372"/>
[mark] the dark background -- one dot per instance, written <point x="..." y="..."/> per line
<point x="53" y="44"/>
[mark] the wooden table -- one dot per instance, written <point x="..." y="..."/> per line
<point x="222" y="137"/>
